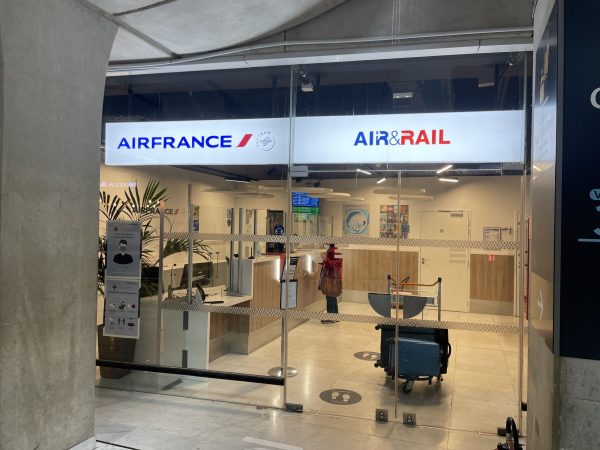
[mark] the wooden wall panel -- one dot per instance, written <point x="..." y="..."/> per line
<point x="493" y="277"/>
<point x="366" y="270"/>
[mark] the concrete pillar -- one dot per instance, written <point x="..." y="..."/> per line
<point x="53" y="57"/>
<point x="564" y="356"/>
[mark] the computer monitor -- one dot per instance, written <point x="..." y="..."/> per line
<point x="201" y="272"/>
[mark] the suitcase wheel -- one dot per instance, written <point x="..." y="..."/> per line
<point x="407" y="386"/>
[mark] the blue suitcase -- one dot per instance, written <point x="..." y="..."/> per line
<point x="417" y="359"/>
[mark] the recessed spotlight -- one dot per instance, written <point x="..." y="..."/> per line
<point x="443" y="169"/>
<point x="381" y="180"/>
<point x="449" y="180"/>
<point x="366" y="172"/>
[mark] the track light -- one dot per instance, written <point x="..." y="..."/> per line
<point x="443" y="169"/>
<point x="307" y="87"/>
<point x="366" y="172"/>
<point x="381" y="180"/>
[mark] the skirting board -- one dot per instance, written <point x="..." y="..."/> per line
<point x="88" y="444"/>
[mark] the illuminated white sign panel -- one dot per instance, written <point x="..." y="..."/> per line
<point x="466" y="137"/>
<point x="202" y="142"/>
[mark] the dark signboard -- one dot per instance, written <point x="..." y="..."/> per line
<point x="577" y="316"/>
<point x="545" y="83"/>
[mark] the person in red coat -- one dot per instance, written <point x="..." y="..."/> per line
<point x="331" y="279"/>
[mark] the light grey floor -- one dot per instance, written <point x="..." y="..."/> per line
<point x="478" y="393"/>
<point x="163" y="422"/>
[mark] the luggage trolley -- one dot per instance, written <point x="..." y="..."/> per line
<point x="421" y="353"/>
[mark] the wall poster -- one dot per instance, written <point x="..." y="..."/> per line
<point x="492" y="234"/>
<point x="391" y="221"/>
<point x="122" y="279"/>
<point x="122" y="309"/>
<point x="356" y="219"/>
<point x="123" y="249"/>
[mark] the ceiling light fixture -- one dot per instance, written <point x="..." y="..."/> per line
<point x="237" y="180"/>
<point x="366" y="172"/>
<point x="537" y="168"/>
<point x="443" y="169"/>
<point x="401" y="95"/>
<point x="381" y="180"/>
<point x="449" y="180"/>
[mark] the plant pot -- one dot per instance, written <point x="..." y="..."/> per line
<point x="114" y="349"/>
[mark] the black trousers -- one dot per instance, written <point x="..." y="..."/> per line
<point x="332" y="305"/>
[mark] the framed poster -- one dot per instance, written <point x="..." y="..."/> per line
<point x="393" y="221"/>
<point x="356" y="219"/>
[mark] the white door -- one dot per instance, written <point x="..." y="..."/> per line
<point x="452" y="264"/>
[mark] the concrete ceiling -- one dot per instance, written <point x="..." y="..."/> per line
<point x="152" y="29"/>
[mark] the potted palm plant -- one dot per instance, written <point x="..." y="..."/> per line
<point x="141" y="207"/>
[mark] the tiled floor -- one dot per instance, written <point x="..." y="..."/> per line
<point x="476" y="396"/>
<point x="161" y="422"/>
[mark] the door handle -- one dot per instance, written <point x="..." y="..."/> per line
<point x="423" y="260"/>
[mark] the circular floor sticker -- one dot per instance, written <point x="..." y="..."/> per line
<point x="340" y="397"/>
<point x="367" y="356"/>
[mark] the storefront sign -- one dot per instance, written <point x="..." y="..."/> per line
<point x="214" y="142"/>
<point x="458" y="137"/>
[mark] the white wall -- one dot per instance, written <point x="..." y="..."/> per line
<point x="491" y="201"/>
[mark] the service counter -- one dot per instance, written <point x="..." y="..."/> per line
<point x="194" y="337"/>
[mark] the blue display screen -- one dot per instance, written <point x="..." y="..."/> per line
<point x="303" y="199"/>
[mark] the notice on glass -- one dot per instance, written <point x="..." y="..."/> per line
<point x="122" y="309"/>
<point x="123" y="249"/>
<point x="292" y="295"/>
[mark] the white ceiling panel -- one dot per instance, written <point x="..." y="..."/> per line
<point x="193" y="26"/>
<point x="119" y="6"/>
<point x="129" y="47"/>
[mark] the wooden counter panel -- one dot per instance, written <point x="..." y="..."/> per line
<point x="308" y="283"/>
<point x="366" y="270"/>
<point x="221" y="324"/>
<point x="493" y="277"/>
<point x="265" y="294"/>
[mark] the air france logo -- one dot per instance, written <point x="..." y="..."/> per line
<point x="264" y="141"/>
<point x="401" y="137"/>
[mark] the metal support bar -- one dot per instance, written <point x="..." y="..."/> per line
<point x="161" y="246"/>
<point x="217" y="374"/>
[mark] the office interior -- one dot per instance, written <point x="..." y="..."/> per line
<point x="388" y="222"/>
